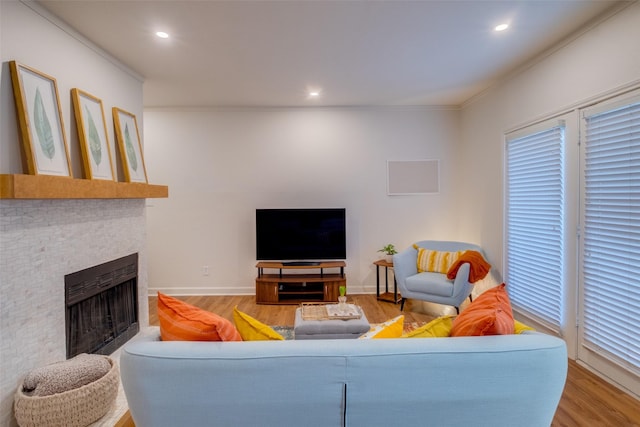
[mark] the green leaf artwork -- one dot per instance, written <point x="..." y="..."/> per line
<point x="43" y="127"/>
<point x="94" y="139"/>
<point x="131" y="154"/>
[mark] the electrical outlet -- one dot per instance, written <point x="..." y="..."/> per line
<point x="205" y="270"/>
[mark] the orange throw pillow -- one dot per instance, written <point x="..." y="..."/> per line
<point x="488" y="314"/>
<point x="180" y="321"/>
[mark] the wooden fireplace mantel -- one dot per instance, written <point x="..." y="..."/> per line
<point x="21" y="186"/>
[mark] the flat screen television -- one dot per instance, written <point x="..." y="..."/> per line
<point x="300" y="235"/>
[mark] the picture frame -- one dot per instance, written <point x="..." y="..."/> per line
<point x="129" y="146"/>
<point x="413" y="177"/>
<point x="93" y="136"/>
<point x="40" y="121"/>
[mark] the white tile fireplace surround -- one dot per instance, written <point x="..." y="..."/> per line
<point x="40" y="242"/>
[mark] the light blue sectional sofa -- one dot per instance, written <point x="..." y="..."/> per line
<point x="493" y="381"/>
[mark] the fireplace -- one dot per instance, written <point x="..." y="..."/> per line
<point x="102" y="306"/>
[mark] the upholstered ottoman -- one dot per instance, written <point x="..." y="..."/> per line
<point x="329" y="329"/>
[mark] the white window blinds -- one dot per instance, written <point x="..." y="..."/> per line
<point x="611" y="233"/>
<point x="535" y="204"/>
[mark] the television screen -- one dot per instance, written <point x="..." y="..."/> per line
<point x="300" y="234"/>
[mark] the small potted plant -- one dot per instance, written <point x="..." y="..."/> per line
<point x="342" y="299"/>
<point x="389" y="251"/>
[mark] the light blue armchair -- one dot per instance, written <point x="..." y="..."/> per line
<point x="432" y="287"/>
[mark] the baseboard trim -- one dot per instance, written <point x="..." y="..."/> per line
<point x="245" y="290"/>
<point x="204" y="291"/>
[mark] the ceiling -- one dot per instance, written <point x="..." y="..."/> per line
<point x="356" y="53"/>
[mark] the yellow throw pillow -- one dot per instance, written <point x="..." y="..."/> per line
<point x="440" y="327"/>
<point x="435" y="261"/>
<point x="390" y="329"/>
<point x="521" y="327"/>
<point x="253" y="330"/>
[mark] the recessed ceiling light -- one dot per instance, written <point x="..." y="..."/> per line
<point x="501" y="27"/>
<point x="314" y="94"/>
<point x="162" y="34"/>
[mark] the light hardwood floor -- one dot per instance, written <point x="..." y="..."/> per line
<point x="587" y="400"/>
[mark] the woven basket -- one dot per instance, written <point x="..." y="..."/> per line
<point x="74" y="408"/>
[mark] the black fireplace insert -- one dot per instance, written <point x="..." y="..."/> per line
<point x="102" y="306"/>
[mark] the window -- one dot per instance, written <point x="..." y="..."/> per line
<point x="572" y="232"/>
<point x="610" y="247"/>
<point x="535" y="222"/>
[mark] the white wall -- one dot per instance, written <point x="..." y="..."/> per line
<point x="43" y="240"/>
<point x="222" y="165"/>
<point x="601" y="60"/>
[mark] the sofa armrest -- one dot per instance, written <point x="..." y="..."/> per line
<point x="461" y="282"/>
<point x="405" y="265"/>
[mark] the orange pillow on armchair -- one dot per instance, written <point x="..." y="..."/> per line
<point x="488" y="314"/>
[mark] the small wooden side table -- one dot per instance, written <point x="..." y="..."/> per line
<point x="394" y="296"/>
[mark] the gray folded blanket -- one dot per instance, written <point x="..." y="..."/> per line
<point x="67" y="375"/>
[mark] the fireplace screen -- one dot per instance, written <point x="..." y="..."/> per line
<point x="102" y="307"/>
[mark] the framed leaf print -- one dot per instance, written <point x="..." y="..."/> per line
<point x="129" y="144"/>
<point x="92" y="132"/>
<point x="40" y="120"/>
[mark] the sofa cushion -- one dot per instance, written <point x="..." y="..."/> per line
<point x="440" y="327"/>
<point x="488" y="314"/>
<point x="438" y="284"/>
<point x="392" y="328"/>
<point x="435" y="261"/>
<point x="180" y="321"/>
<point x="253" y="330"/>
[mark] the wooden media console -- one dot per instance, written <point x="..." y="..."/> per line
<point x="293" y="287"/>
